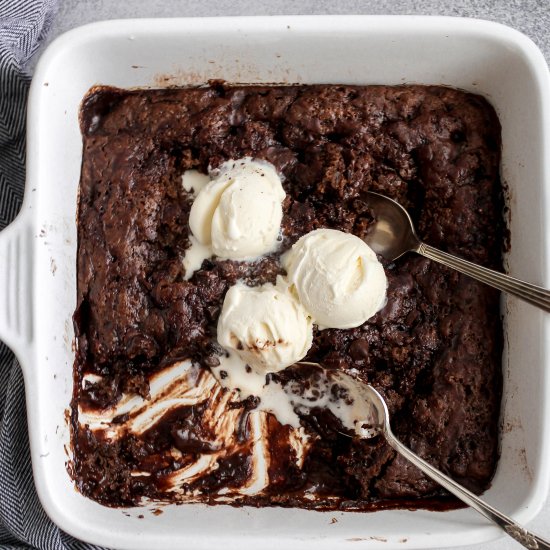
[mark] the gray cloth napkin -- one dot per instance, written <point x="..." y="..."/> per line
<point x="23" y="523"/>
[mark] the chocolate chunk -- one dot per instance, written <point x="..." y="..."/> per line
<point x="359" y="349"/>
<point x="211" y="361"/>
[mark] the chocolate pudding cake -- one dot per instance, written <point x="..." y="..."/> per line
<point x="150" y="420"/>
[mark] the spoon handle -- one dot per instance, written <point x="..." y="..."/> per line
<point x="535" y="295"/>
<point x="516" y="531"/>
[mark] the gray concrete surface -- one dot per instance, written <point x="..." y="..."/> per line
<point x="532" y="17"/>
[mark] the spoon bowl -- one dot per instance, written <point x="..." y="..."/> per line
<point x="393" y="234"/>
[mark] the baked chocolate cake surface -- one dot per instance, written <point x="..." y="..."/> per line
<point x="434" y="351"/>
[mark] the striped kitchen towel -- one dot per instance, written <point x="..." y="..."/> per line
<point x="23" y="523"/>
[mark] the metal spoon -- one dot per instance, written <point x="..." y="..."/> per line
<point x="393" y="234"/>
<point x="374" y="419"/>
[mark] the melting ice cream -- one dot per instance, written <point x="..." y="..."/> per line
<point x="337" y="278"/>
<point x="237" y="214"/>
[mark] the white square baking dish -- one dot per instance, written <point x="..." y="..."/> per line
<point x="37" y="252"/>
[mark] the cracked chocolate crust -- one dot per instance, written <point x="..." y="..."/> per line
<point x="434" y="351"/>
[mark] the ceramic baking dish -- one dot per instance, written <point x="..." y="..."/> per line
<point x="37" y="252"/>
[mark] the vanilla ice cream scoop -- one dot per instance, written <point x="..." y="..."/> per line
<point x="265" y="326"/>
<point x="239" y="211"/>
<point x="337" y="277"/>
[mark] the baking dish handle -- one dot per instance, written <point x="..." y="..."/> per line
<point x="16" y="260"/>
